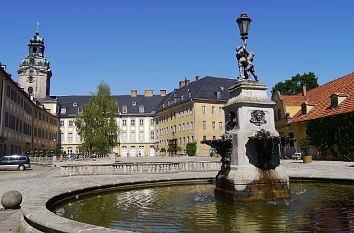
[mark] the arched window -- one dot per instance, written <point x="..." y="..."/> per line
<point x="141" y="108"/>
<point x="34" y="49"/>
<point x="30" y="90"/>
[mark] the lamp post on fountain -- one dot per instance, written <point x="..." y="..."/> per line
<point x="245" y="58"/>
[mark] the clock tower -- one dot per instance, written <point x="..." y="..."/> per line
<point x="34" y="72"/>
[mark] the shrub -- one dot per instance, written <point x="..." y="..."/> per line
<point x="191" y="148"/>
<point x="305" y="145"/>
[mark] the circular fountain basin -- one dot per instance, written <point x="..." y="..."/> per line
<point x="313" y="207"/>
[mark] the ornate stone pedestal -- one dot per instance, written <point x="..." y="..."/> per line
<point x="255" y="172"/>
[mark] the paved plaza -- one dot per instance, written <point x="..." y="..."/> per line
<point x="43" y="182"/>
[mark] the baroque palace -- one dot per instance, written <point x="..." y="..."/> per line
<point x="33" y="121"/>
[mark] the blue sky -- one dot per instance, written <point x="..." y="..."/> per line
<point x="153" y="44"/>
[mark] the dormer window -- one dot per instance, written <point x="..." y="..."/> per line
<point x="80" y="110"/>
<point x="141" y="108"/>
<point x="124" y="109"/>
<point x="75" y="104"/>
<point x="334" y="100"/>
<point x="218" y="95"/>
<point x="133" y="103"/>
<point x="304" y="109"/>
<point x="63" y="109"/>
<point x="221" y="88"/>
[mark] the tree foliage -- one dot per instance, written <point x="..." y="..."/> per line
<point x="326" y="133"/>
<point x="191" y="148"/>
<point x="97" y="125"/>
<point x="294" y="85"/>
<point x="305" y="145"/>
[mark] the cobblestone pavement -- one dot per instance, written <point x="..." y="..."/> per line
<point x="41" y="181"/>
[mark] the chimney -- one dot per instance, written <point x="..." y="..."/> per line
<point x="186" y="82"/>
<point x="181" y="84"/>
<point x="304" y="90"/>
<point x="3" y="66"/>
<point x="148" y="93"/>
<point x="197" y="78"/>
<point x="162" y="92"/>
<point x="134" y="93"/>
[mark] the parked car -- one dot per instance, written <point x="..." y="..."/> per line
<point x="20" y="162"/>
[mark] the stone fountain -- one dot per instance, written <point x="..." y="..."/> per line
<point x="251" y="167"/>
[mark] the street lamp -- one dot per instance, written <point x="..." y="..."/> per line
<point x="244" y="22"/>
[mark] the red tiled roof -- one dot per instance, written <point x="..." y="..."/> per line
<point x="320" y="98"/>
<point x="293" y="100"/>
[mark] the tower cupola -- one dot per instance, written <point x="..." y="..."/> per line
<point x="34" y="71"/>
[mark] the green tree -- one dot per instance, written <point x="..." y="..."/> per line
<point x="333" y="131"/>
<point x="294" y="85"/>
<point x="97" y="125"/>
<point x="191" y="148"/>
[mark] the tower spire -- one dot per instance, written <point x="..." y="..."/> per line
<point x="37" y="28"/>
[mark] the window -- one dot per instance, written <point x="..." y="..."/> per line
<point x="220" y="109"/>
<point x="75" y="104"/>
<point x="80" y="110"/>
<point x="124" y="122"/>
<point x="141" y="108"/>
<point x="63" y="110"/>
<point x="124" y="109"/>
<point x="152" y="135"/>
<point x="71" y="123"/>
<point x="334" y="101"/>
<point x="291" y="139"/>
<point x="132" y="136"/>
<point x="61" y="123"/>
<point x="213" y="110"/>
<point x="204" y="138"/>
<point x="187" y="126"/>
<point x="218" y="95"/>
<point x="203" y="109"/>
<point x="70" y="137"/>
<point x="133" y="103"/>
<point x="124" y="136"/>
<point x="182" y="126"/>
<point x="213" y="125"/>
<point x="141" y="122"/>
<point x="184" y="140"/>
<point x="30" y="90"/>
<point x="204" y="125"/>
<point x="132" y="122"/>
<point x="214" y="137"/>
<point x="141" y="136"/>
<point x="191" y="128"/>
<point x="303" y="109"/>
<point x="220" y="125"/>
<point x="152" y="121"/>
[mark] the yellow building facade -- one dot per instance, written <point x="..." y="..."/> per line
<point x="193" y="113"/>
